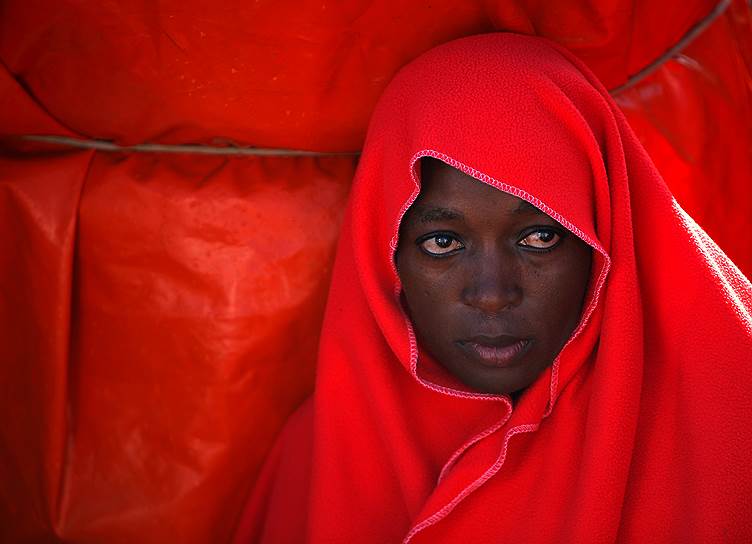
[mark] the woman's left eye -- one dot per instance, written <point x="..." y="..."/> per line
<point x="541" y="239"/>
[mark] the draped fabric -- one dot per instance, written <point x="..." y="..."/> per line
<point x="638" y="431"/>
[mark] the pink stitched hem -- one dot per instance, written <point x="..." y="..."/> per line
<point x="493" y="469"/>
<point x="477" y="438"/>
<point x="553" y="391"/>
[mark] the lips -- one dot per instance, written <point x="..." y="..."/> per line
<point x="495" y="351"/>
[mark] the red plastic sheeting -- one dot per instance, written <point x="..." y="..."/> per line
<point x="695" y="118"/>
<point x="160" y="318"/>
<point x="291" y="74"/>
<point x="38" y="202"/>
<point x="159" y="313"/>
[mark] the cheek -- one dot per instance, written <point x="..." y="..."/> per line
<point x="559" y="291"/>
<point x="429" y="295"/>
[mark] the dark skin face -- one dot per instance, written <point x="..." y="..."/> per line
<point x="494" y="286"/>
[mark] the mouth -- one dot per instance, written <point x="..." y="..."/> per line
<point x="495" y="351"/>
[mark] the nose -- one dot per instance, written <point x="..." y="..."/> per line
<point x="492" y="282"/>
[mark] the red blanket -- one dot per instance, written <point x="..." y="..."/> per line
<point x="639" y="430"/>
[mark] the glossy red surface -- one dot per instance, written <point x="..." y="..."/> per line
<point x="281" y="73"/>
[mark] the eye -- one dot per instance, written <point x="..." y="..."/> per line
<point x="541" y="238"/>
<point x="439" y="244"/>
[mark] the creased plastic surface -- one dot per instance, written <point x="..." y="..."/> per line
<point x="694" y="116"/>
<point x="159" y="313"/>
<point x="160" y="318"/>
<point x="282" y="73"/>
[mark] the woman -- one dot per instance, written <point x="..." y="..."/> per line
<point x="526" y="338"/>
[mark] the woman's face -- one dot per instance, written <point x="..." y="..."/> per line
<point x="494" y="286"/>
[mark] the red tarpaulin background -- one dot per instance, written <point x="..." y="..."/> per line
<point x="159" y="312"/>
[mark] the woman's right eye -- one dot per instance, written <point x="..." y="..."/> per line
<point x="440" y="244"/>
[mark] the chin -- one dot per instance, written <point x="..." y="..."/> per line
<point x="508" y="381"/>
<point x="499" y="386"/>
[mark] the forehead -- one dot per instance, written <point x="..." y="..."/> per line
<point x="443" y="187"/>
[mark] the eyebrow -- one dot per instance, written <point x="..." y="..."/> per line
<point x="429" y="215"/>
<point x="526" y="207"/>
<point x="436" y="214"/>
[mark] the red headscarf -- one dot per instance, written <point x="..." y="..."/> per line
<point x="640" y="431"/>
